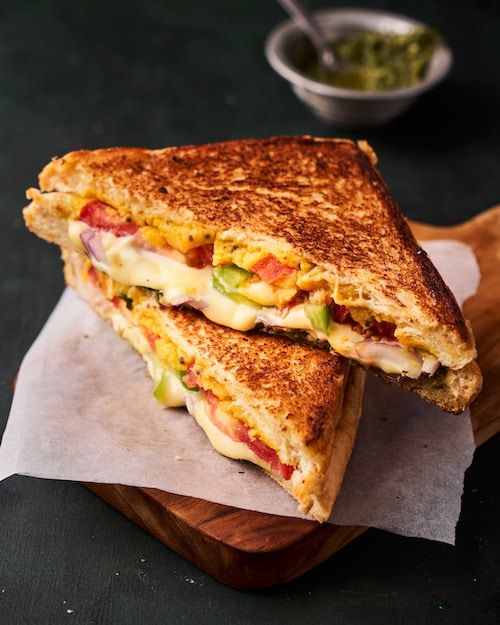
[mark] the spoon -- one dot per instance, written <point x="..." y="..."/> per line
<point x="328" y="62"/>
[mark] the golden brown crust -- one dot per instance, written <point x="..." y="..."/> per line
<point x="323" y="488"/>
<point x="47" y="216"/>
<point x="308" y="393"/>
<point x="323" y="198"/>
<point x="301" y="385"/>
<point x="453" y="393"/>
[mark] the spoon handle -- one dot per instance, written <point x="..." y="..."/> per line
<point x="305" y="22"/>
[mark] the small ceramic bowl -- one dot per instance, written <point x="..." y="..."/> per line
<point x="350" y="107"/>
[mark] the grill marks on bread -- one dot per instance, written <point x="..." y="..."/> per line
<point x="324" y="198"/>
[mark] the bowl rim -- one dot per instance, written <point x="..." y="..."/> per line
<point x="284" y="68"/>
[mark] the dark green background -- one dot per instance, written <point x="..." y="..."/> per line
<point x="90" y="74"/>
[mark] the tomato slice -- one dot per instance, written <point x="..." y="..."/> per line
<point x="341" y="314"/>
<point x="200" y="257"/>
<point x="190" y="379"/>
<point x="93" y="276"/>
<point x="240" y="433"/>
<point x="264" y="452"/>
<point x="101" y="216"/>
<point x="271" y="269"/>
<point x="213" y="402"/>
<point x="384" y="329"/>
<point x="151" y="337"/>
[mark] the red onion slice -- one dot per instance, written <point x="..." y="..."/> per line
<point x="179" y="299"/>
<point x="92" y="243"/>
<point x="431" y="364"/>
<point x="169" y="252"/>
<point x="390" y="357"/>
<point x="199" y="304"/>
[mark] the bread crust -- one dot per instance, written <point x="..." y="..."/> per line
<point x="321" y="198"/>
<point x="455" y="391"/>
<point x="323" y="486"/>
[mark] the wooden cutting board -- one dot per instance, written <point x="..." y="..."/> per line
<point x="254" y="550"/>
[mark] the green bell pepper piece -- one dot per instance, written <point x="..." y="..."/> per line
<point x="227" y="279"/>
<point x="232" y="276"/>
<point x="168" y="390"/>
<point x="318" y="315"/>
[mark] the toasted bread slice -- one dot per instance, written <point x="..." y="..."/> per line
<point x="450" y="390"/>
<point x="291" y="399"/>
<point x="316" y="207"/>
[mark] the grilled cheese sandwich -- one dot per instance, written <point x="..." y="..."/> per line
<point x="296" y="234"/>
<point x="124" y="260"/>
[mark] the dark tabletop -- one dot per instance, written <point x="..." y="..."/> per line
<point x="156" y="73"/>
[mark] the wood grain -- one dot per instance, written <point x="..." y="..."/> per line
<point x="253" y="550"/>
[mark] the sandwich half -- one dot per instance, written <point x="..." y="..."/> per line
<point x="289" y="408"/>
<point x="295" y="234"/>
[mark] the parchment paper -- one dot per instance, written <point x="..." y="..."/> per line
<point x="83" y="410"/>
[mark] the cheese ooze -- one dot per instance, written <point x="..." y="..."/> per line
<point x="178" y="283"/>
<point x="132" y="334"/>
<point x="220" y="441"/>
<point x="179" y="395"/>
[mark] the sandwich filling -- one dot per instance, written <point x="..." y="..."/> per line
<point x="240" y="284"/>
<point x="179" y="378"/>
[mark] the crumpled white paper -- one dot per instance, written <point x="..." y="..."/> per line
<point x="83" y="410"/>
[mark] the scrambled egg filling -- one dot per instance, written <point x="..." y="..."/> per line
<point x="163" y="233"/>
<point x="305" y="281"/>
<point x="154" y="229"/>
<point x="227" y="250"/>
<point x="246" y="253"/>
<point x="129" y="300"/>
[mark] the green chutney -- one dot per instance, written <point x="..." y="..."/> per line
<point x="374" y="61"/>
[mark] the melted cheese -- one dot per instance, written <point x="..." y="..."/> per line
<point x="176" y="394"/>
<point x="135" y="266"/>
<point x="220" y="441"/>
<point x="343" y="339"/>
<point x="132" y="265"/>
<point x="177" y="282"/>
<point x="75" y="229"/>
<point x="260" y="292"/>
<point x="224" y="311"/>
<point x="295" y="318"/>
